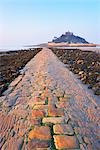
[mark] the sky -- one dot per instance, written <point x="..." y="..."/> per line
<point x="28" y="22"/>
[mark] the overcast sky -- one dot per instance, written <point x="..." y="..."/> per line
<point x="24" y="22"/>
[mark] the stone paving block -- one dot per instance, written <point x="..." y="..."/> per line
<point x="43" y="107"/>
<point x="68" y="96"/>
<point x="62" y="99"/>
<point x="52" y="99"/>
<point x="43" y="95"/>
<point x="53" y="120"/>
<point x="65" y="142"/>
<point x="38" y="145"/>
<point x="41" y="102"/>
<point x="61" y="104"/>
<point x="34" y="121"/>
<point x="47" y="92"/>
<point x="63" y="129"/>
<point x="38" y="113"/>
<point x="38" y="101"/>
<point x="52" y="111"/>
<point x="42" y="132"/>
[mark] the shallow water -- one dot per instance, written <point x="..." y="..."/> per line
<point x="95" y="49"/>
<point x="16" y="48"/>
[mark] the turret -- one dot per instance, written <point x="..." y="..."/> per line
<point x="68" y="33"/>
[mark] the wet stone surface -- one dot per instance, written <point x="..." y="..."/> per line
<point x="48" y="109"/>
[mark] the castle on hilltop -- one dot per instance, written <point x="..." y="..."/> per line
<point x="69" y="37"/>
<point x="68" y="33"/>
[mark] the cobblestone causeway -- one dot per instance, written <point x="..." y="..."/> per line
<point x="45" y="108"/>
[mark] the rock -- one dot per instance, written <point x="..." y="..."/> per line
<point x="42" y="132"/>
<point x="71" y="62"/>
<point x="81" y="72"/>
<point x="38" y="113"/>
<point x="76" y="71"/>
<point x="10" y="64"/>
<point x="80" y="62"/>
<point x="53" y="120"/>
<point x="1" y="79"/>
<point x="65" y="142"/>
<point x="90" y="87"/>
<point x="54" y="112"/>
<point x="2" y="88"/>
<point x="83" y="79"/>
<point x="61" y="104"/>
<point x="85" y="63"/>
<point x="34" y="121"/>
<point x="98" y="78"/>
<point x="37" y="144"/>
<point x="38" y="101"/>
<point x="63" y="129"/>
<point x="64" y="61"/>
<point x="43" y="107"/>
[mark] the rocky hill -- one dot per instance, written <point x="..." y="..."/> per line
<point x="69" y="37"/>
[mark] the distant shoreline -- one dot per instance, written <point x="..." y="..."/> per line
<point x="71" y="45"/>
<point x="50" y="45"/>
